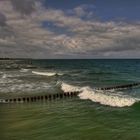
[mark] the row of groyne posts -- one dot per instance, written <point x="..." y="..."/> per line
<point x="61" y="95"/>
<point x="41" y="97"/>
<point x="126" y="86"/>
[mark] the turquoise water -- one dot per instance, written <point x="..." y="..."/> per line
<point x="72" y="118"/>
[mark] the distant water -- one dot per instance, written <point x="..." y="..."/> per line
<point x="94" y="114"/>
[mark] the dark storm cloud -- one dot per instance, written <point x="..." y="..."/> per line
<point x="129" y="44"/>
<point x="119" y="45"/>
<point x="6" y="31"/>
<point x="25" y="7"/>
<point x="2" y="20"/>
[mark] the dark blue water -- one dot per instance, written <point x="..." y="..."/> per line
<point x="95" y="72"/>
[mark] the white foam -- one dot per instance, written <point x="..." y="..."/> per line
<point x="110" y="99"/>
<point x="69" y="88"/>
<point x="46" y="73"/>
<point x="4" y="76"/>
<point x="1" y="72"/>
<point x="10" y="75"/>
<point x="24" y="70"/>
<point x="6" y="79"/>
<point x="2" y="101"/>
<point x="25" y="87"/>
<point x="107" y="99"/>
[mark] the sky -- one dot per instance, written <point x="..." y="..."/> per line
<point x="70" y="29"/>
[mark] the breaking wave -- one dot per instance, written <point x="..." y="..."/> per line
<point x="46" y="73"/>
<point x="102" y="97"/>
<point x="9" y="84"/>
<point x="69" y="88"/>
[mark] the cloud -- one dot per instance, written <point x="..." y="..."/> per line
<point x="24" y="6"/>
<point x="2" y="20"/>
<point x="22" y="33"/>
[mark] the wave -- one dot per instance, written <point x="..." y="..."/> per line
<point x="47" y="73"/>
<point x="109" y="99"/>
<point x="1" y="72"/>
<point x="10" y="75"/>
<point x="69" y="88"/>
<point x="4" y="76"/>
<point x="9" y="79"/>
<point x="2" y="101"/>
<point x="24" y="70"/>
<point x="21" y="88"/>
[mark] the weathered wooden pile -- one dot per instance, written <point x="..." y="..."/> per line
<point x="41" y="98"/>
<point x="61" y="95"/>
<point x="126" y="86"/>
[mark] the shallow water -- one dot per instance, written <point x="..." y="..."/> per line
<point x="95" y="117"/>
<point x="70" y="119"/>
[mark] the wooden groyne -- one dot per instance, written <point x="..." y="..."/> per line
<point x="50" y="97"/>
<point x="126" y="86"/>
<point x="40" y="98"/>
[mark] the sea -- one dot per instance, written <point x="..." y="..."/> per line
<point x="93" y="114"/>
